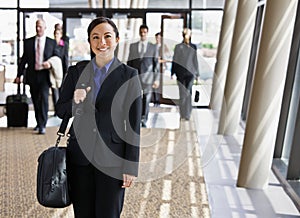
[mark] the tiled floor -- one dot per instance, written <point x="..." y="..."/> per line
<point x="220" y="156"/>
<point x="170" y="181"/>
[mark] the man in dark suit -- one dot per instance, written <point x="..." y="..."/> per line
<point x="37" y="50"/>
<point x="143" y="56"/>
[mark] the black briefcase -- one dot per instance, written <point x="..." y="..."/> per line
<point x="52" y="180"/>
<point x="197" y="96"/>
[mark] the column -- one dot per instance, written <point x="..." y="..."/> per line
<point x="224" y="47"/>
<point x="267" y="93"/>
<point x="238" y="67"/>
<point x="92" y="3"/>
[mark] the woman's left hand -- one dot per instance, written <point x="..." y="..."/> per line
<point x="127" y="180"/>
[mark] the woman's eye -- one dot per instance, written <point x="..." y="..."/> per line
<point x="95" y="37"/>
<point x="107" y="36"/>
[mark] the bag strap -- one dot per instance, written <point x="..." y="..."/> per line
<point x="64" y="123"/>
<point x="62" y="129"/>
<point x="63" y="126"/>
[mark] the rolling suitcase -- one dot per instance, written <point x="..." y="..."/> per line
<point x="17" y="109"/>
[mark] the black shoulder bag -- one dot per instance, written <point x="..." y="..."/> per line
<point x="52" y="180"/>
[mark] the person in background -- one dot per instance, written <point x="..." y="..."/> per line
<point x="37" y="50"/>
<point x="143" y="56"/>
<point x="63" y="47"/>
<point x="60" y="27"/>
<point x="163" y="52"/>
<point x="104" y="95"/>
<point x="185" y="67"/>
<point x="156" y="94"/>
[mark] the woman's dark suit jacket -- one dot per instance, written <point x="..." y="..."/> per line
<point x="116" y="114"/>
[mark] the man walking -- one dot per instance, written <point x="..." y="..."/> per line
<point x="143" y="56"/>
<point x="37" y="50"/>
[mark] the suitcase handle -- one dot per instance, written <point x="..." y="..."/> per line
<point x="19" y="88"/>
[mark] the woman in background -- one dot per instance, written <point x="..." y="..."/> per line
<point x="185" y="67"/>
<point x="63" y="47"/>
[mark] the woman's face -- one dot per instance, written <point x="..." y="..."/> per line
<point x="57" y="34"/>
<point x="103" y="40"/>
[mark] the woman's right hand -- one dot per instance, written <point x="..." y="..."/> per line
<point x="80" y="95"/>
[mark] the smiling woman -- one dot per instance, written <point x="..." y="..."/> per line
<point x="101" y="163"/>
<point x="103" y="40"/>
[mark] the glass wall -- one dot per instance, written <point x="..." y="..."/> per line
<point x="34" y="4"/>
<point x="8" y="45"/>
<point x="79" y="48"/>
<point x="208" y="4"/>
<point x="8" y="4"/>
<point x="291" y="121"/>
<point x="180" y="4"/>
<point x="168" y="4"/>
<point x="206" y="27"/>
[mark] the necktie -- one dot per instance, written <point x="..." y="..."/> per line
<point x="98" y="79"/>
<point x="37" y="55"/>
<point x="142" y="50"/>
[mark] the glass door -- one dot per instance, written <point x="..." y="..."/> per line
<point x="171" y="32"/>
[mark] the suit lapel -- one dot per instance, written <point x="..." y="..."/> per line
<point x="147" y="48"/>
<point x="31" y="44"/>
<point x="136" y="52"/>
<point x="46" y="48"/>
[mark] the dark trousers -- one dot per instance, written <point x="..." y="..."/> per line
<point x="39" y="94"/>
<point x="185" y="97"/>
<point x="147" y="94"/>
<point x="95" y="194"/>
<point x="55" y="96"/>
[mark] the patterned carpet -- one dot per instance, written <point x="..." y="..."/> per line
<point x="170" y="184"/>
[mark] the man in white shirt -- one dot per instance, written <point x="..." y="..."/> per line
<point x="37" y="50"/>
<point x="143" y="56"/>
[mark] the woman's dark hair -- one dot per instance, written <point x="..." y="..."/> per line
<point x="98" y="21"/>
